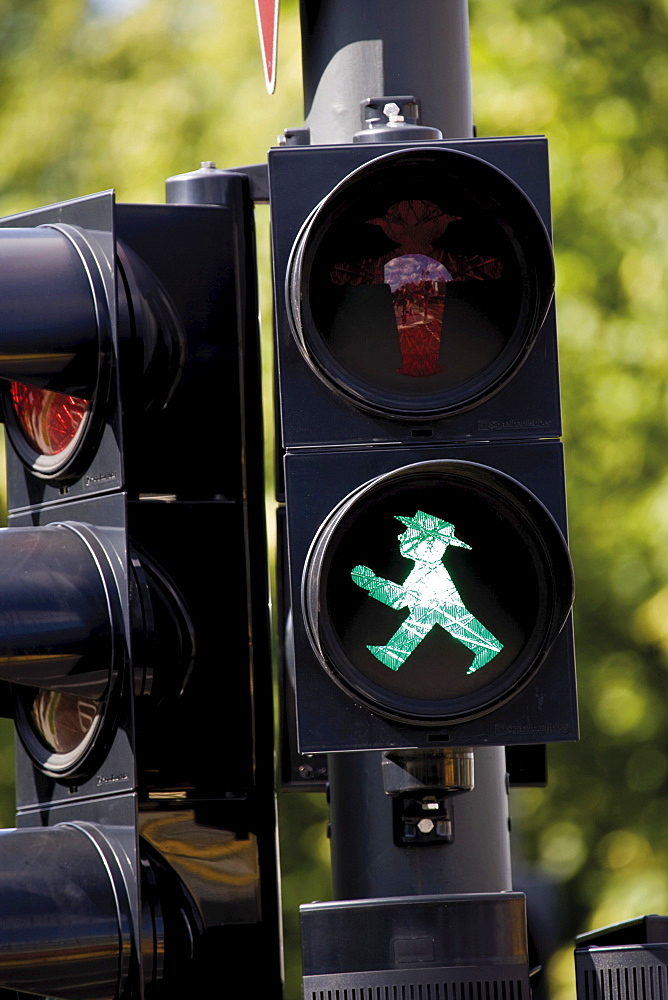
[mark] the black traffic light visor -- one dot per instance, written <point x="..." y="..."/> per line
<point x="61" y="640"/>
<point x="55" y="345"/>
<point x="432" y="594"/>
<point x="419" y="284"/>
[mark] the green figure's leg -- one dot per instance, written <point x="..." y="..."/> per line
<point x="473" y="634"/>
<point x="481" y="658"/>
<point x="408" y="637"/>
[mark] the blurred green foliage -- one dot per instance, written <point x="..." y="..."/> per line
<point x="95" y="93"/>
<point x="593" y="76"/>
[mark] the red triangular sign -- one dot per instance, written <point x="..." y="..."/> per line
<point x="267" y="22"/>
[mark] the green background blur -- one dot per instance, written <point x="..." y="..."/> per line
<point x="122" y="93"/>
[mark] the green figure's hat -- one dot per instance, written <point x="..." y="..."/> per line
<point x="430" y="526"/>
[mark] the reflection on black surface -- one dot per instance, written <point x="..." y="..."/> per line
<point x="63" y="720"/>
<point x="219" y="867"/>
<point x="418" y="287"/>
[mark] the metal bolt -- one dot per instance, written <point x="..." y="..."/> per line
<point x="391" y="111"/>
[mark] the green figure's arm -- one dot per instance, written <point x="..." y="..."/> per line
<point x="392" y="594"/>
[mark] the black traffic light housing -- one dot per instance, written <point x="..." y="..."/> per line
<point x="135" y="635"/>
<point x="419" y="402"/>
<point x="334" y="231"/>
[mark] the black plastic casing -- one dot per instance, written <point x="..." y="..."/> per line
<point x="545" y="710"/>
<point x="179" y="779"/>
<point x="331" y="447"/>
<point x="624" y="960"/>
<point x="314" y="416"/>
<point x="436" y="946"/>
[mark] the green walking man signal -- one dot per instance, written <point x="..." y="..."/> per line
<point x="429" y="593"/>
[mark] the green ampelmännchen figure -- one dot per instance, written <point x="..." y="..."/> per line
<point x="429" y="593"/>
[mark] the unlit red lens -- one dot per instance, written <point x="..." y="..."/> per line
<point x="50" y="421"/>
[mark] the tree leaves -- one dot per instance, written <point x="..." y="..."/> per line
<point x="94" y="95"/>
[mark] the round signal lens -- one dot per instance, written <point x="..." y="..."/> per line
<point x="51" y="422"/>
<point x="419" y="284"/>
<point x="432" y="594"/>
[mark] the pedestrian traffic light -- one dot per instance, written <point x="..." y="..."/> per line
<point x="135" y="655"/>
<point x="429" y="579"/>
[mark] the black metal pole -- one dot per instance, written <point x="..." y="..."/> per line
<point x="352" y="51"/>
<point x="366" y="862"/>
<point x="355" y="49"/>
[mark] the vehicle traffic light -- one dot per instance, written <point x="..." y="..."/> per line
<point x="429" y="580"/>
<point x="133" y="613"/>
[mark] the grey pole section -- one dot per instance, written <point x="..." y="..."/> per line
<point x="366" y="863"/>
<point x="355" y="49"/>
<point x="352" y="50"/>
